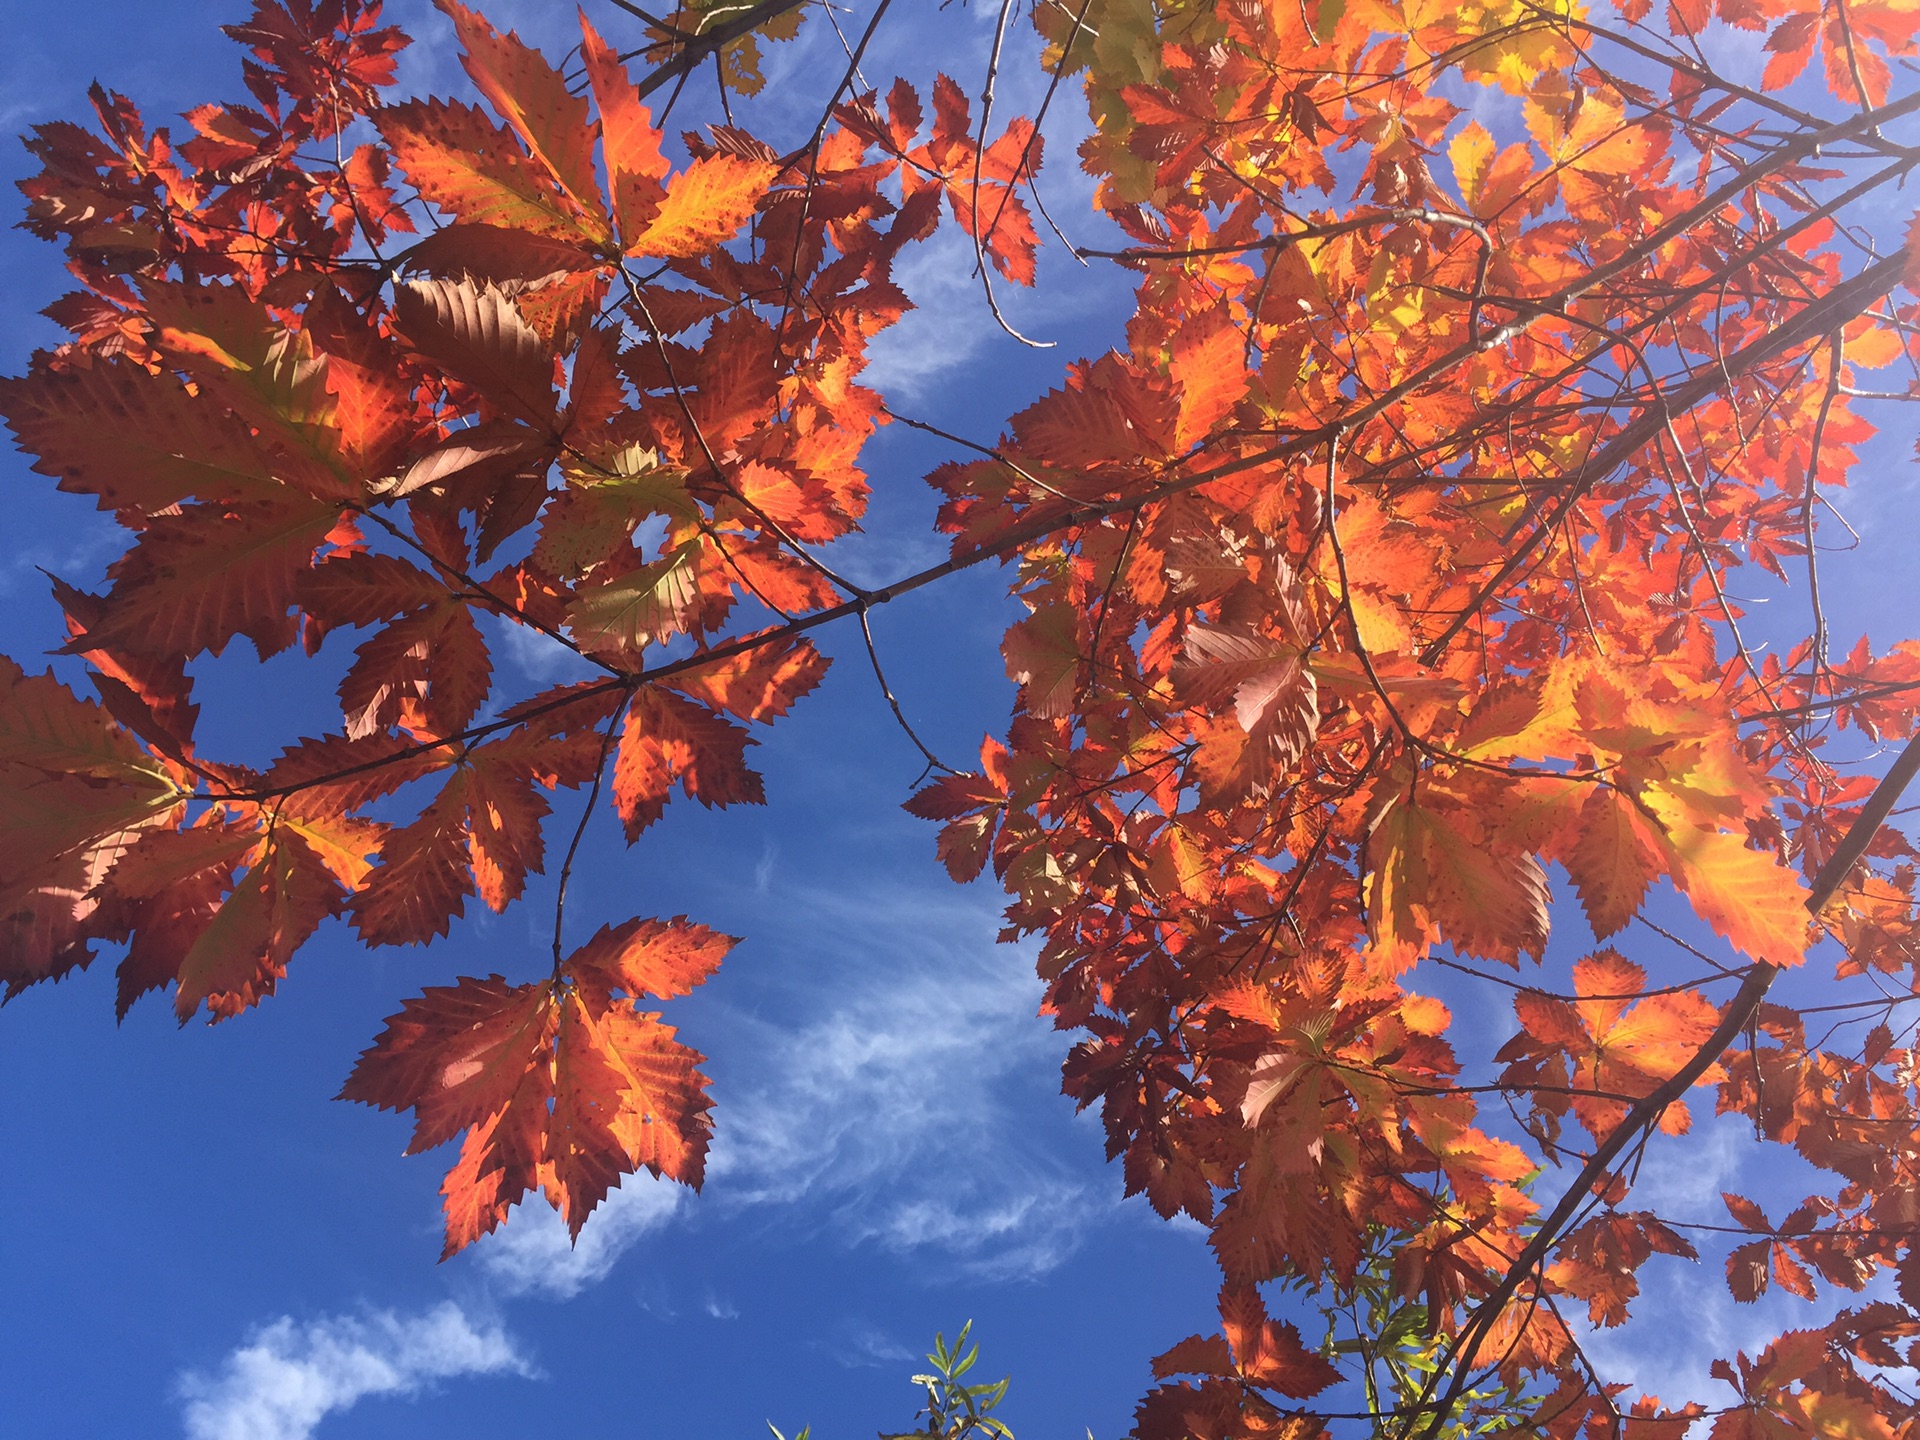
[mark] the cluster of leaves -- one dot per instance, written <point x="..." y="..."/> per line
<point x="956" y="1410"/>
<point x="312" y="423"/>
<point x="1383" y="569"/>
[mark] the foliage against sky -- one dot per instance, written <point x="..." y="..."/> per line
<point x="1474" y="348"/>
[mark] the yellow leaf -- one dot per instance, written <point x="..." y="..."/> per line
<point x="1471" y="152"/>
<point x="1871" y="344"/>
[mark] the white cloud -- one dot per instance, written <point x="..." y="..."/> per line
<point x="531" y="1253"/>
<point x="538" y="656"/>
<point x="76" y="552"/>
<point x="948" y="325"/>
<point x="859" y="1346"/>
<point x="1684" y="1175"/>
<point x="900" y="1110"/>
<point x="291" y="1376"/>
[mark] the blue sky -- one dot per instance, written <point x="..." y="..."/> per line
<point x="196" y="1241"/>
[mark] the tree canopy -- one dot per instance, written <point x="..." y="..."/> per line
<point x="1487" y="362"/>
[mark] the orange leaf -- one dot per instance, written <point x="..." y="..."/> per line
<point x="1748" y="897"/>
<point x="626" y="1096"/>
<point x="555" y="1086"/>
<point x="1209" y="365"/>
<point x="705" y="206"/>
<point x="533" y="97"/>
<point x="664" y="958"/>
<point x="635" y="166"/>
<point x="469" y="167"/>
<point x="1434" y="876"/>
<point x="761" y="684"/>
<point x="235" y="963"/>
<point x="668" y="739"/>
<point x="1615" y="855"/>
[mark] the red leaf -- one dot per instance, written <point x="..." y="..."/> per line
<point x="668" y="739"/>
<point x="200" y="577"/>
<point x="454" y="1056"/>
<point x="663" y="958"/>
<point x="135" y="440"/>
<point x="236" y="961"/>
<point x="553" y="1086"/>
<point x="477" y="335"/>
<point x="1270" y="1353"/>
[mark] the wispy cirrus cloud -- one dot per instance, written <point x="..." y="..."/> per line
<point x="292" y="1375"/>
<point x="902" y="1114"/>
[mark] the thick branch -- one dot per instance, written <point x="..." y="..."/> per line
<point x="698" y="48"/>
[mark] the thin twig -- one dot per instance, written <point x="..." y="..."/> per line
<point x="580" y="830"/>
<point x="973" y="200"/>
<point x="934" y="762"/>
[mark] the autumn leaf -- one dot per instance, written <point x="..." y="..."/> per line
<point x="626" y="1097"/>
<point x="1621" y="1048"/>
<point x="1433" y="875"/>
<point x="135" y="440"/>
<point x="275" y="907"/>
<point x="1043" y="658"/>
<point x="1270" y="1353"/>
<point x="646" y="606"/>
<point x="662" y="958"/>
<point x="472" y="169"/>
<point x="760" y="684"/>
<point x="534" y="99"/>
<point x="478" y="334"/>
<point x="704" y="206"/>
<point x="1407" y="522"/>
<point x="668" y="740"/>
<point x="1208" y="362"/>
<point x="636" y="169"/>
<point x="1615" y="857"/>
<point x="1274" y="693"/>
<point x="201" y="576"/>
<point x="555" y="1086"/>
